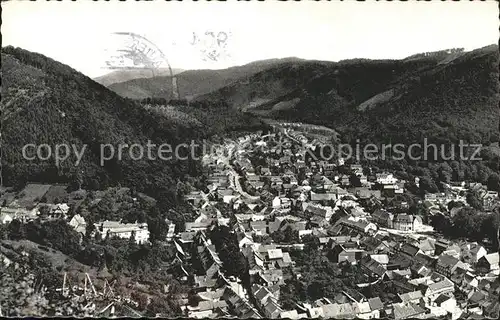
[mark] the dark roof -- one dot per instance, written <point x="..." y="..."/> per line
<point x="373" y="266"/>
<point x="409" y="249"/>
<point x="447" y="261"/>
<point x="316" y="211"/>
<point x="354" y="294"/>
<point x="442" y="298"/>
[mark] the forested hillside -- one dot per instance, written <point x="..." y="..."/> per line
<point x="444" y="98"/>
<point x="191" y="82"/>
<point x="46" y="102"/>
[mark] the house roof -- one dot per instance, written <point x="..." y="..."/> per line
<point x="373" y="266"/>
<point x="445" y="284"/>
<point x="404" y="311"/>
<point x="323" y="196"/>
<point x="409" y="249"/>
<point x="316" y="211"/>
<point x="411" y="296"/>
<point x="380" y="258"/>
<point x="492" y="258"/>
<point x="275" y="254"/>
<point x="271" y="307"/>
<point x="375" y="304"/>
<point x="447" y="261"/>
<point x="354" y="294"/>
<point x="442" y="298"/>
<point x="262" y="293"/>
<point x="427" y="245"/>
<point x="335" y="310"/>
<point x="477" y="297"/>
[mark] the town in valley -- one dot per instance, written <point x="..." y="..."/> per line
<point x="274" y="233"/>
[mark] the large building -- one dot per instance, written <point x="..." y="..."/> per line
<point x="124" y="230"/>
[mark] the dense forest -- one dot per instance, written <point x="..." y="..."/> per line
<point x="46" y="102"/>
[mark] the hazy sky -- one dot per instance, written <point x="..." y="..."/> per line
<point x="79" y="33"/>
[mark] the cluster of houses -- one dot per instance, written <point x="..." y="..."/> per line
<point x="431" y="277"/>
<point x="290" y="195"/>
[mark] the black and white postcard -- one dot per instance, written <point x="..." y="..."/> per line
<point x="250" y="159"/>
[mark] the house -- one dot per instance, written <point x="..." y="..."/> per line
<point x="405" y="222"/>
<point x="292" y="314"/>
<point x="276" y="203"/>
<point x="382" y="218"/>
<point x="5" y="218"/>
<point x="323" y="196"/>
<point x="206" y="309"/>
<point x="427" y="247"/>
<point x="473" y="251"/>
<point x="383" y="259"/>
<point x="356" y="169"/>
<point x="194" y="197"/>
<point x="261" y="294"/>
<point x="409" y="250"/>
<point x="441" y="246"/>
<point x="198" y="226"/>
<point x="365" y="193"/>
<point x="442" y="287"/>
<point x="344" y="225"/>
<point x="338" y="311"/>
<point x="446" y="303"/>
<point x="241" y="307"/>
<point x="124" y="230"/>
<point x="488" y="263"/>
<point x="391" y="190"/>
<point x="274" y="254"/>
<point x="446" y="264"/>
<point x="60" y="210"/>
<point x="407" y="311"/>
<point x="272" y="310"/>
<point x="490" y="199"/>
<point x="78" y="223"/>
<point x="413" y="297"/>
<point x="346" y="252"/>
<point x="376" y="306"/>
<point x="385" y="178"/>
<point x="372" y="267"/>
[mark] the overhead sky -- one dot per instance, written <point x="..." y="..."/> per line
<point x="78" y="33"/>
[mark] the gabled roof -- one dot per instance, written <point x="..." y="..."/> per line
<point x="445" y="284"/>
<point x="411" y="296"/>
<point x="373" y="266"/>
<point x="404" y="311"/>
<point x="262" y="293"/>
<point x="492" y="258"/>
<point x="427" y="245"/>
<point x="442" y="298"/>
<point x="447" y="261"/>
<point x="409" y="249"/>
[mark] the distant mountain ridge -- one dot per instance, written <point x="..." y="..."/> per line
<point x="450" y="96"/>
<point x="192" y="83"/>
<point x="118" y="76"/>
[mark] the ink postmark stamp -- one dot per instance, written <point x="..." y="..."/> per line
<point x="212" y="45"/>
<point x="133" y="51"/>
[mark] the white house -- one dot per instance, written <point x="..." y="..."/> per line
<point x="276" y="203"/>
<point x="124" y="230"/>
<point x="385" y="178"/>
<point x="78" y="223"/>
<point x="60" y="209"/>
<point x="5" y="218"/>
